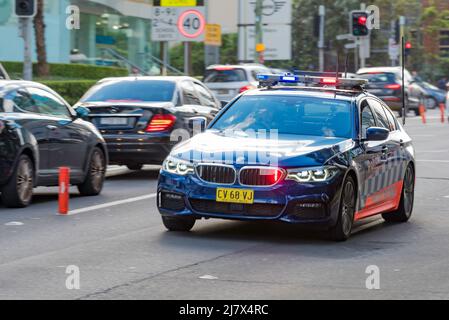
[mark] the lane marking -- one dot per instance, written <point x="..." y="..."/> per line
<point x="112" y="204"/>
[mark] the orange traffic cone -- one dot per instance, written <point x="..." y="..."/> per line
<point x="64" y="185"/>
<point x="422" y="112"/>
<point x="443" y="112"/>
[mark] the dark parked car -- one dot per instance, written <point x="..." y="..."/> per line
<point x="138" y="115"/>
<point x="39" y="133"/>
<point x="386" y="83"/>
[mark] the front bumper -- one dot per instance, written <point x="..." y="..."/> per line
<point x="290" y="202"/>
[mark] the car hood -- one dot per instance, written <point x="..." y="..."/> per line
<point x="238" y="148"/>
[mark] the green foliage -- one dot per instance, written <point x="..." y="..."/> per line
<point x="70" y="71"/>
<point x="72" y="90"/>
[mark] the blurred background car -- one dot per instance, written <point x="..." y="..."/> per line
<point x="434" y="95"/>
<point x="228" y="81"/>
<point x="138" y="115"/>
<point x="386" y="83"/>
<point x="39" y="133"/>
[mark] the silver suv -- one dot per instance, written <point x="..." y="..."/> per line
<point x="228" y="81"/>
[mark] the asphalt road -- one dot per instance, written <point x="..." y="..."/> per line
<point x="123" y="252"/>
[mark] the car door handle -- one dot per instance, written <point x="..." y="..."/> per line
<point x="51" y="127"/>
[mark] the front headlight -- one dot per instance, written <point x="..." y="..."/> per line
<point x="178" y="166"/>
<point x="307" y="175"/>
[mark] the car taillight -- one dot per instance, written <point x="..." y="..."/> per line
<point x="393" y="86"/>
<point x="161" y="122"/>
<point x="246" y="88"/>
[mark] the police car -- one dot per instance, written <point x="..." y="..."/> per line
<point x="301" y="149"/>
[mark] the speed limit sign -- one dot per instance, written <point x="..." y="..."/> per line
<point x="192" y="24"/>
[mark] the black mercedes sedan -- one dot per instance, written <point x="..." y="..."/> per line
<point x="142" y="118"/>
<point x="39" y="133"/>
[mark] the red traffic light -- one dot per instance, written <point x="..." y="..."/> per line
<point x="408" y="45"/>
<point x="362" y="20"/>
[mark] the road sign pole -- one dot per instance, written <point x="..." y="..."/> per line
<point x="187" y="64"/>
<point x="322" y="14"/>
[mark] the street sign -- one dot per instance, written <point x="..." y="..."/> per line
<point x="345" y="37"/>
<point x="191" y="25"/>
<point x="178" y="3"/>
<point x="277" y="41"/>
<point x="213" y="35"/>
<point x="273" y="11"/>
<point x="178" y="24"/>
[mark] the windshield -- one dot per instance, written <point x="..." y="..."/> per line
<point x="132" y="91"/>
<point x="378" y="77"/>
<point x="225" y="75"/>
<point x="289" y="115"/>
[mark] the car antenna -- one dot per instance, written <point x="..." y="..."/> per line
<point x="404" y="106"/>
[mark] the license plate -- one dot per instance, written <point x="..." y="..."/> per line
<point x="114" y="121"/>
<point x="235" y="196"/>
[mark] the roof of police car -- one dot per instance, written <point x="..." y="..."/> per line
<point x="323" y="93"/>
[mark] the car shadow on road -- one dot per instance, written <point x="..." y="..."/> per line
<point x="136" y="175"/>
<point x="368" y="237"/>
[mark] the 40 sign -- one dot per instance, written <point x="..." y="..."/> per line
<point x="191" y="25"/>
<point x="178" y="24"/>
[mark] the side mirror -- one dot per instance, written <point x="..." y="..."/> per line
<point x="224" y="103"/>
<point x="377" y="134"/>
<point x="198" y="124"/>
<point x="82" y="112"/>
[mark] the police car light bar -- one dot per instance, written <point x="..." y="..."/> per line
<point x="271" y="80"/>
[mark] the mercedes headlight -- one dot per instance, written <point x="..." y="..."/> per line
<point x="178" y="166"/>
<point x="307" y="175"/>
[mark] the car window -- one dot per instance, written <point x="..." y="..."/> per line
<point x="368" y="120"/>
<point x="380" y="77"/>
<point x="379" y="112"/>
<point x="46" y="103"/>
<point x="391" y="119"/>
<point x="205" y="95"/>
<point x="225" y="74"/>
<point x="290" y="115"/>
<point x="18" y="101"/>
<point x="189" y="94"/>
<point x="131" y="91"/>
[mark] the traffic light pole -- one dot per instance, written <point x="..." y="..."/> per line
<point x="322" y="14"/>
<point x="26" y="33"/>
<point x="402" y="35"/>
<point x="259" y="30"/>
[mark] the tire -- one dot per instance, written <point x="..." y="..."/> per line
<point x="93" y="185"/>
<point x="346" y="215"/>
<point x="18" y="192"/>
<point x="431" y="103"/>
<point x="134" y="167"/>
<point x="178" y="224"/>
<point x="405" y="210"/>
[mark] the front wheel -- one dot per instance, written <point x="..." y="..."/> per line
<point x="96" y="172"/>
<point x="342" y="231"/>
<point x="179" y="224"/>
<point x="405" y="210"/>
<point x="18" y="192"/>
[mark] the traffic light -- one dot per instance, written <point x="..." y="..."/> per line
<point x="25" y="8"/>
<point x="408" y="48"/>
<point x="359" y="23"/>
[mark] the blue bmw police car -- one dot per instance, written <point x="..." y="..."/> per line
<point x="299" y="149"/>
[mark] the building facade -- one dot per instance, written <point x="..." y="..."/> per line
<point x="437" y="44"/>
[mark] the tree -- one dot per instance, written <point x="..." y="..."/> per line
<point x="43" y="69"/>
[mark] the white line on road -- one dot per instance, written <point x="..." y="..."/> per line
<point x="112" y="204"/>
